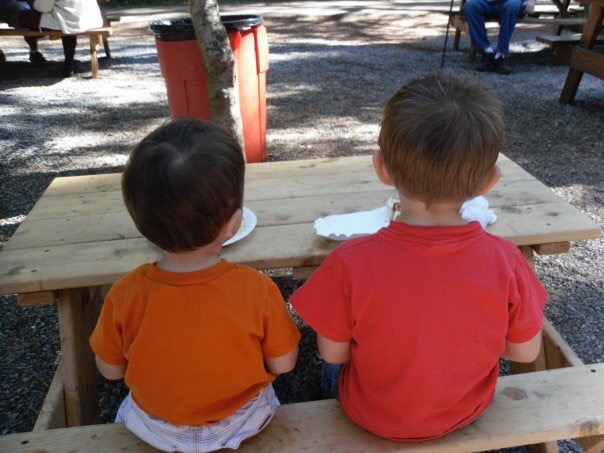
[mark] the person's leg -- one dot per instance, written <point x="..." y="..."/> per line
<point x="69" y="46"/>
<point x="329" y="380"/>
<point x="69" y="49"/>
<point x="509" y="13"/>
<point x="34" y="55"/>
<point x="10" y="10"/>
<point x="31" y="19"/>
<point x="32" y="42"/>
<point x="476" y="12"/>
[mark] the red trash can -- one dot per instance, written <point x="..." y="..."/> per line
<point x="181" y="65"/>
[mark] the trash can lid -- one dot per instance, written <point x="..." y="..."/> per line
<point x="237" y="22"/>
<point x="173" y="29"/>
<point x="182" y="29"/>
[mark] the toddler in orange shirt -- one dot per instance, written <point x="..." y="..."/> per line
<point x="197" y="339"/>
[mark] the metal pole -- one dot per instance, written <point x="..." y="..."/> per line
<point x="442" y="61"/>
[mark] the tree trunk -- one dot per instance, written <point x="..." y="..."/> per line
<point x="219" y="61"/>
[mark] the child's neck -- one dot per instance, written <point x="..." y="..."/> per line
<point x="195" y="260"/>
<point x="414" y="212"/>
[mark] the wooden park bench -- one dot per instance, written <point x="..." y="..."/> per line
<point x="528" y="408"/>
<point x="96" y="36"/>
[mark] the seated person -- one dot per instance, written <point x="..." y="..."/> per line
<point x="198" y="339"/>
<point x="507" y="13"/>
<point x="69" y="16"/>
<point x="419" y="313"/>
<point x="9" y="13"/>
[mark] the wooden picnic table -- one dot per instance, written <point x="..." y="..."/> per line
<point x="583" y="59"/>
<point x="78" y="238"/>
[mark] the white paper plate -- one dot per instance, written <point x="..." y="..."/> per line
<point x="247" y="226"/>
<point x="355" y="224"/>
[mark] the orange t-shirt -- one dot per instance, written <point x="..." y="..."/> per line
<point x="194" y="343"/>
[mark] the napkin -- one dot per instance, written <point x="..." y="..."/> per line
<point x="477" y="209"/>
<point x="346" y="226"/>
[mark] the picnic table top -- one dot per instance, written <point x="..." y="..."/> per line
<point x="79" y="234"/>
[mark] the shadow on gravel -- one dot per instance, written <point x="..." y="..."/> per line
<point x="23" y="73"/>
<point x="61" y="124"/>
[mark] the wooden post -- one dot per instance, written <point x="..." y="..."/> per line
<point x="539" y="364"/>
<point x="78" y="312"/>
<point x="95" y="39"/>
<point x="588" y="37"/>
<point x="593" y="444"/>
<point x="52" y="414"/>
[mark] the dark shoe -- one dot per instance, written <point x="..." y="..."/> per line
<point x="37" y="58"/>
<point x="68" y="68"/>
<point x="502" y="66"/>
<point x="486" y="62"/>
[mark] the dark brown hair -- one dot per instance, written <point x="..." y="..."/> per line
<point x="440" y="137"/>
<point x="183" y="182"/>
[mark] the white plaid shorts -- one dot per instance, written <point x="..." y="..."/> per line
<point x="246" y="422"/>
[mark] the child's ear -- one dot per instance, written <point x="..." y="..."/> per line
<point x="232" y="226"/>
<point x="380" y="168"/>
<point x="491" y="180"/>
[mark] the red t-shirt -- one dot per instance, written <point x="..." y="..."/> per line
<point x="427" y="311"/>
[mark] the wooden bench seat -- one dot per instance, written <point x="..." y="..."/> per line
<point x="96" y="36"/>
<point x="528" y="408"/>
<point x="562" y="44"/>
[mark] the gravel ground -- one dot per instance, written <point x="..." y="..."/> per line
<point x="332" y="66"/>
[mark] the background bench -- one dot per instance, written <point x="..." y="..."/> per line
<point x="563" y="44"/>
<point x="96" y="36"/>
<point x="528" y="408"/>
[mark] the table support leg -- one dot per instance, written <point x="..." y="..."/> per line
<point x="588" y="37"/>
<point x="539" y="364"/>
<point x="78" y="313"/>
<point x="95" y="40"/>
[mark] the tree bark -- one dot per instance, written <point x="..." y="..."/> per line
<point x="219" y="61"/>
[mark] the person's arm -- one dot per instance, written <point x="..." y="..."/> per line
<point x="523" y="352"/>
<point x="333" y="351"/>
<point x="282" y="364"/>
<point x="111" y="372"/>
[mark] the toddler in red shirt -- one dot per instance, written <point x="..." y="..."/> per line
<point x="197" y="339"/>
<point x="420" y="313"/>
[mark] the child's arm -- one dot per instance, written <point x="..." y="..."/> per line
<point x="282" y="364"/>
<point x="111" y="372"/>
<point x="333" y="351"/>
<point x="523" y="352"/>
